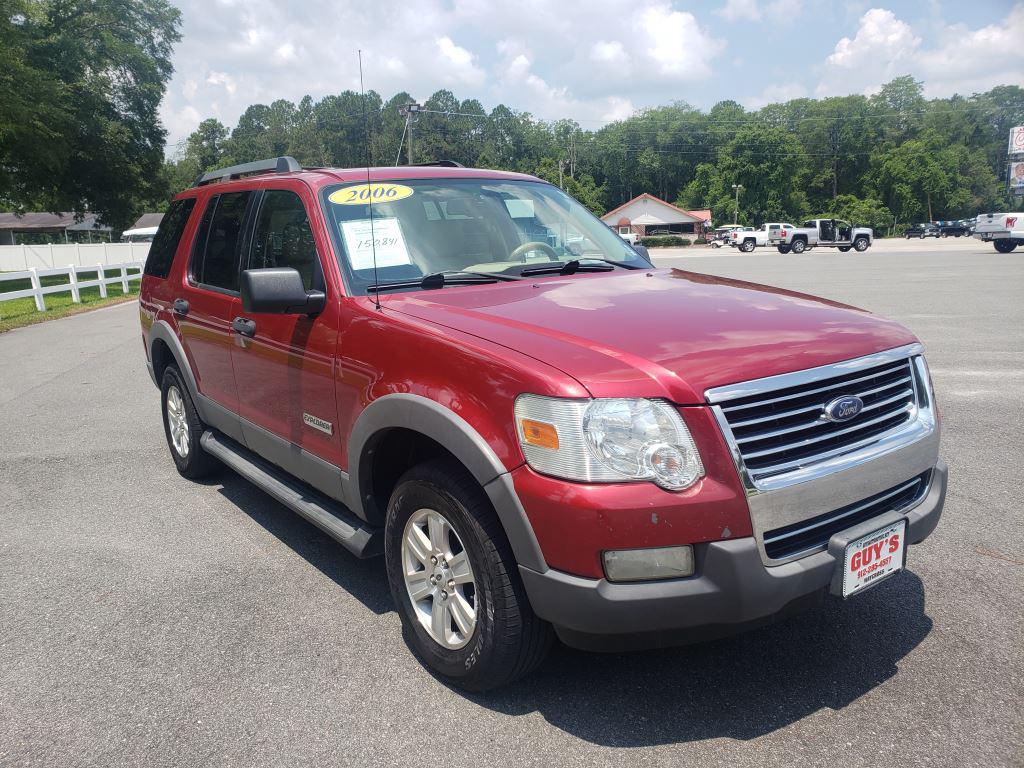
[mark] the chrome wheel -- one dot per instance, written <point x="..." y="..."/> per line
<point x="439" y="578"/>
<point x="177" y="421"/>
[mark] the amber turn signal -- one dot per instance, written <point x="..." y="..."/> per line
<point x="540" y="434"/>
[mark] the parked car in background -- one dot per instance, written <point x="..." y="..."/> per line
<point x="397" y="356"/>
<point x="1004" y="230"/>
<point x="961" y="228"/>
<point x="720" y="235"/>
<point x="923" y="230"/>
<point x="748" y="239"/>
<point x="828" y="233"/>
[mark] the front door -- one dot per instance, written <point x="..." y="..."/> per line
<point x="285" y="369"/>
<point x="210" y="301"/>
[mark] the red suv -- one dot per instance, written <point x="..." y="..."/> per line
<point x="465" y="371"/>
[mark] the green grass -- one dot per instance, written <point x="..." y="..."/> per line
<point x="19" y="312"/>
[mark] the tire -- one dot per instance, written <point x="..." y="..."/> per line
<point x="189" y="457"/>
<point x="1005" y="245"/>
<point x="844" y="248"/>
<point x="861" y="244"/>
<point x="748" y="246"/>
<point x="783" y="249"/>
<point x="506" y="640"/>
<point x="799" y="246"/>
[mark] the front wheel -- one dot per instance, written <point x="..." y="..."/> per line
<point x="783" y="249"/>
<point x="861" y="244"/>
<point x="1005" y="245"/>
<point x="455" y="581"/>
<point x="799" y="246"/>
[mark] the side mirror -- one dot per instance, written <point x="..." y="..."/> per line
<point x="642" y="250"/>
<point x="279" y="290"/>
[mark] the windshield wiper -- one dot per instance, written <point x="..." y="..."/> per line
<point x="441" y="279"/>
<point x="577" y="265"/>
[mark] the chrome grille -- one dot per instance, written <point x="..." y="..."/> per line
<point x="807" y="535"/>
<point x="784" y="429"/>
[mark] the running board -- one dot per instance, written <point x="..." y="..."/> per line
<point x="326" y="514"/>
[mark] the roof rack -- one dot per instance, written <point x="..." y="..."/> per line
<point x="439" y="164"/>
<point x="276" y="164"/>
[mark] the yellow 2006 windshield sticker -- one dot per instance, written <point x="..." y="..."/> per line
<point x="361" y="194"/>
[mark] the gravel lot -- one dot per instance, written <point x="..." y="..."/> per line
<point x="147" y="620"/>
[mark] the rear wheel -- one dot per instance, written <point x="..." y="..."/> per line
<point x="799" y="246"/>
<point x="455" y="581"/>
<point x="748" y="246"/>
<point x="1005" y="245"/>
<point x="182" y="427"/>
<point x="783" y="249"/>
<point x="861" y="244"/>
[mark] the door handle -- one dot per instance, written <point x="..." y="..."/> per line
<point x="180" y="307"/>
<point x="244" y="326"/>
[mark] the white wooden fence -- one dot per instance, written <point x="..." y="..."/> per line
<point x="20" y="257"/>
<point x="38" y="291"/>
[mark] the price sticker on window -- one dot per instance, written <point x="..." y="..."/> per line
<point x="384" y="238"/>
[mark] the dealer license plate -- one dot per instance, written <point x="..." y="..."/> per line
<point x="875" y="557"/>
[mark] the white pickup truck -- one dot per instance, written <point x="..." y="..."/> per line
<point x="1004" y="230"/>
<point x="830" y="233"/>
<point x="748" y="239"/>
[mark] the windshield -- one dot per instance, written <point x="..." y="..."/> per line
<point x="425" y="227"/>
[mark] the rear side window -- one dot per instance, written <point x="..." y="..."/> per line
<point x="216" y="260"/>
<point x="283" y="238"/>
<point x="165" y="242"/>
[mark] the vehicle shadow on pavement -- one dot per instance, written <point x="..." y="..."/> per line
<point x="365" y="580"/>
<point x="740" y="688"/>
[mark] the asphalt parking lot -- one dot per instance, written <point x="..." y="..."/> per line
<point x="148" y="620"/>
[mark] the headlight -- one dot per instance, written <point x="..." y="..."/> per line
<point x="608" y="440"/>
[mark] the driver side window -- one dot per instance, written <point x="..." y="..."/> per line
<point x="283" y="238"/>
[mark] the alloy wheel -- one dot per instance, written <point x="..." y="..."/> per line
<point x="177" y="421"/>
<point x="439" y="579"/>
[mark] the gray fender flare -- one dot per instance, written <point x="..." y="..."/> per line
<point x="457" y="436"/>
<point x="162" y="330"/>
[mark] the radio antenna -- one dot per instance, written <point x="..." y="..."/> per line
<point x="369" y="187"/>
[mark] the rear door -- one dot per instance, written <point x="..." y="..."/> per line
<point x="210" y="293"/>
<point x="285" y="369"/>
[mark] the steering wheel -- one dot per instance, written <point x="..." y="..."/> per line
<point x="533" y="245"/>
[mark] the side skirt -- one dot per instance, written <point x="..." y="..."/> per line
<point x="328" y="515"/>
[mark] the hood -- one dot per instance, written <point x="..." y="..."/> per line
<point x="662" y="333"/>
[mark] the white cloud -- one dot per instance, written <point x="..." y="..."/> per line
<point x="959" y="60"/>
<point x="776" y="94"/>
<point x="968" y="61"/>
<point x="612" y="52"/>
<point x="740" y="10"/>
<point x="586" y="59"/>
<point x="460" y="64"/>
<point x="284" y="53"/>
<point x="222" y="79"/>
<point x="676" y="42"/>
<point x="881" y="37"/>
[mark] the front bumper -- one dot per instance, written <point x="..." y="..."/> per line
<point x="732" y="591"/>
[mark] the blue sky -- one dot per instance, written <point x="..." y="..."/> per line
<point x="591" y="60"/>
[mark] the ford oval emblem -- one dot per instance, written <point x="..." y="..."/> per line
<point x="843" y="408"/>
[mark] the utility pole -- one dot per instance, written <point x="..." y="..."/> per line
<point x="737" y="188"/>
<point x="560" y="176"/>
<point x="409" y="110"/>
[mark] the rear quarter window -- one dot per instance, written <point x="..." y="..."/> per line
<point x="165" y="242"/>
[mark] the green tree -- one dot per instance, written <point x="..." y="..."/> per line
<point x="81" y="85"/>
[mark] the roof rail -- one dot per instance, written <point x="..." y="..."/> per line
<point x="276" y="164"/>
<point x="439" y="164"/>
